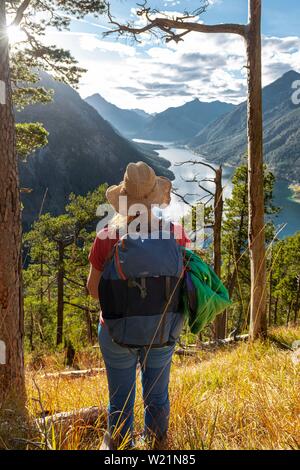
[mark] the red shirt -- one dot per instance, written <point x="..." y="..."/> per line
<point x="103" y="246"/>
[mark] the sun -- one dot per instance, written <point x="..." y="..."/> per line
<point x="15" y="34"/>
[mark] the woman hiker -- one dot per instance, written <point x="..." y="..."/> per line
<point x="136" y="278"/>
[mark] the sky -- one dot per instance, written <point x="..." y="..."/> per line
<point x="153" y="75"/>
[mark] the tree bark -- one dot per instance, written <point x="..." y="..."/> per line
<point x="275" y="311"/>
<point x="270" y="288"/>
<point x="289" y="314"/>
<point x="60" y="293"/>
<point x="89" y="326"/>
<point x="297" y="301"/>
<point x="11" y="310"/>
<point x="31" y="331"/>
<point x="221" y="320"/>
<point x="41" y="308"/>
<point x="256" y="232"/>
<point x="231" y="278"/>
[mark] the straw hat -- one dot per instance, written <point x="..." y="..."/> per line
<point x="141" y="186"/>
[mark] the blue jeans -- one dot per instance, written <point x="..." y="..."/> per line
<point x="121" y="364"/>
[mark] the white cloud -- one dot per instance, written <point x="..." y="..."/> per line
<point x="155" y="76"/>
<point x="90" y="42"/>
<point x="279" y="56"/>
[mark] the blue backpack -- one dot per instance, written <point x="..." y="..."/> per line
<point x="139" y="290"/>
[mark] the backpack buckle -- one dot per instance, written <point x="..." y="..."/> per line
<point x="141" y="286"/>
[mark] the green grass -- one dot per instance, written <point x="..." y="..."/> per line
<point x="245" y="396"/>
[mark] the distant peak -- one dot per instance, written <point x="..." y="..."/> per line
<point x="291" y="74"/>
<point x="96" y="96"/>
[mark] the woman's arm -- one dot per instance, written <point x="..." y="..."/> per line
<point x="93" y="282"/>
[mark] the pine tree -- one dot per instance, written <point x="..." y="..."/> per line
<point x="55" y="278"/>
<point x="35" y="55"/>
<point x="236" y="264"/>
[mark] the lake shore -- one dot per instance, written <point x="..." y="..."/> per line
<point x="172" y="155"/>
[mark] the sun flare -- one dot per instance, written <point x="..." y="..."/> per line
<point x="15" y="34"/>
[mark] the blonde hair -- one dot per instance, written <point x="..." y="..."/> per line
<point x="120" y="222"/>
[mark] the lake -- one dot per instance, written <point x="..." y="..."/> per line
<point x="289" y="215"/>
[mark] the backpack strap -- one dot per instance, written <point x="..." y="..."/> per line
<point x="144" y="288"/>
<point x="118" y="264"/>
<point x="167" y="287"/>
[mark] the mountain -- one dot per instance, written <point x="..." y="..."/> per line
<point x="142" y="113"/>
<point x="183" y="122"/>
<point x="83" y="152"/>
<point x="225" y="140"/>
<point x="128" y="122"/>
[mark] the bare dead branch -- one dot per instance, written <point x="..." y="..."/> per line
<point x="83" y="286"/>
<point x="81" y="307"/>
<point x="41" y="423"/>
<point x="196" y="162"/>
<point x="170" y="26"/>
<point x="207" y="202"/>
<point x="183" y="197"/>
<point x="195" y="180"/>
<point x="208" y="180"/>
<point x="20" y="12"/>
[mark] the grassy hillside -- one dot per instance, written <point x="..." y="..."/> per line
<point x="237" y="397"/>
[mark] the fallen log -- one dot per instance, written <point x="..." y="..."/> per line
<point x="225" y="341"/>
<point x="193" y="350"/>
<point x="73" y="374"/>
<point x="62" y="425"/>
<point x="85" y="416"/>
<point x="187" y="352"/>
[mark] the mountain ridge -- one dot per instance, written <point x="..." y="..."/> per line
<point x="83" y="152"/>
<point x="182" y="122"/>
<point x="126" y="121"/>
<point x="174" y="123"/>
<point x="225" y="139"/>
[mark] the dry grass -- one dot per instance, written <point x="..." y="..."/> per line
<point x="240" y="397"/>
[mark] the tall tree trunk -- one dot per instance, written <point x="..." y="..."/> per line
<point x="256" y="232"/>
<point x="221" y="320"/>
<point x="236" y="251"/>
<point x="11" y="311"/>
<point x="270" y="288"/>
<point x="275" y="311"/>
<point x="289" y="313"/>
<point x="41" y="308"/>
<point x="60" y="293"/>
<point x="297" y="303"/>
<point x="89" y="326"/>
<point x="31" y="331"/>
